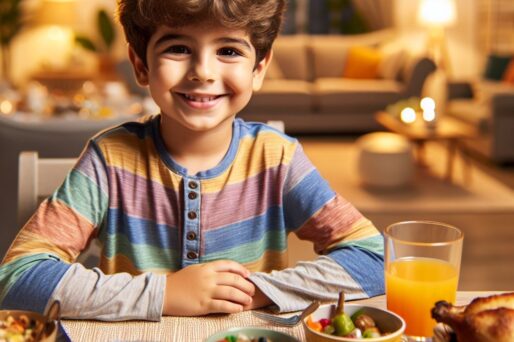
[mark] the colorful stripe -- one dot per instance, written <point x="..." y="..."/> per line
<point x="128" y="190"/>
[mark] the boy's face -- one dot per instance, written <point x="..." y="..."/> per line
<point x="200" y="76"/>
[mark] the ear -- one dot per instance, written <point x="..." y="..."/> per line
<point x="260" y="70"/>
<point x="140" y="69"/>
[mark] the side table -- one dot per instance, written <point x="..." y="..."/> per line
<point x="447" y="130"/>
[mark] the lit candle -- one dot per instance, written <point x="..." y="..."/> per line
<point x="427" y="104"/>
<point x="408" y="115"/>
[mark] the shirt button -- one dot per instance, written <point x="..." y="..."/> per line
<point x="191" y="236"/>
<point x="192" y="195"/>
<point x="192" y="255"/>
<point x="191" y="215"/>
<point x="193" y="185"/>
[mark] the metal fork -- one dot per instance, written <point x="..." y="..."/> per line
<point x="287" y="321"/>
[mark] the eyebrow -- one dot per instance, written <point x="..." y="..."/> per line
<point x="236" y="41"/>
<point x="173" y="36"/>
<point x="170" y="36"/>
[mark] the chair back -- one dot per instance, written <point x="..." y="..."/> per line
<point x="38" y="178"/>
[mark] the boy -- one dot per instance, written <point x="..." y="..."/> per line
<point x="192" y="206"/>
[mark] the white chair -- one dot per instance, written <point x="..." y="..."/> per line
<point x="38" y="178"/>
<point x="277" y="124"/>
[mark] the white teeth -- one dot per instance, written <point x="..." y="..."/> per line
<point x="199" y="99"/>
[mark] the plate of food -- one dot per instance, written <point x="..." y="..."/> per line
<point x="250" y="334"/>
<point x="17" y="325"/>
<point x="352" y="323"/>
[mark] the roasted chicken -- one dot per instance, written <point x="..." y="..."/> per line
<point x="485" y="319"/>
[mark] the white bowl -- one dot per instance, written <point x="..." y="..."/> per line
<point x="386" y="321"/>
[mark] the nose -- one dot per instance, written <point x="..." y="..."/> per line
<point x="202" y="69"/>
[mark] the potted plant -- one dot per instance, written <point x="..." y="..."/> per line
<point x="103" y="47"/>
<point x="11" y="14"/>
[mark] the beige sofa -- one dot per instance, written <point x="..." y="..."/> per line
<point x="489" y="107"/>
<point x="306" y="89"/>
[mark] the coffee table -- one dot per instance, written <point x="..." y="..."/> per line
<point x="448" y="130"/>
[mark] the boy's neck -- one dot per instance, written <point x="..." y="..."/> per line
<point x="196" y="151"/>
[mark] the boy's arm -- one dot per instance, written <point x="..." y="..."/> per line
<point x="38" y="267"/>
<point x="351" y="247"/>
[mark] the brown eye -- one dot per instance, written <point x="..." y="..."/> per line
<point x="178" y="49"/>
<point x="229" y="52"/>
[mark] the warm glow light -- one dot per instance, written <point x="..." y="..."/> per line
<point x="429" y="115"/>
<point x="56" y="12"/>
<point x="408" y="115"/>
<point x="427" y="104"/>
<point x="437" y="12"/>
<point x="384" y="142"/>
<point x="6" y="107"/>
<point x="58" y="34"/>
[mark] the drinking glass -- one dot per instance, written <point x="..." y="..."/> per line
<point x="422" y="265"/>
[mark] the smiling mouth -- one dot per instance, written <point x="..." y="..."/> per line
<point x="200" y="98"/>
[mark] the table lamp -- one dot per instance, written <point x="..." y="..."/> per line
<point x="55" y="20"/>
<point x="437" y="15"/>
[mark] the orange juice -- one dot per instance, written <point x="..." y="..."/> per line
<point x="414" y="285"/>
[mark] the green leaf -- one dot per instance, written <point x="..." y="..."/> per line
<point x="86" y="43"/>
<point x="10" y="20"/>
<point x="106" y="28"/>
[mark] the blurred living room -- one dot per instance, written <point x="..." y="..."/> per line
<point x="406" y="107"/>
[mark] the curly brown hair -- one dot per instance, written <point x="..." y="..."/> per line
<point x="261" y="19"/>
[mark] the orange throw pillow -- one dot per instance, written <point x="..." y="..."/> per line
<point x="362" y="62"/>
<point x="508" y="75"/>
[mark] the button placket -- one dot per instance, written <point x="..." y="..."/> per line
<point x="191" y="231"/>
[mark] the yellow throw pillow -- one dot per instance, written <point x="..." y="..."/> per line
<point x="362" y="62"/>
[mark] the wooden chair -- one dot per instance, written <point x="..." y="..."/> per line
<point x="38" y="178"/>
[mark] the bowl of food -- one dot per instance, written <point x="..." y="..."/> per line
<point x="250" y="335"/>
<point x="355" y="322"/>
<point x="17" y="325"/>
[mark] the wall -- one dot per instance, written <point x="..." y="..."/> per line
<point x="465" y="59"/>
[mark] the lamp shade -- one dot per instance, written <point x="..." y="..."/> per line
<point x="437" y="12"/>
<point x="56" y="12"/>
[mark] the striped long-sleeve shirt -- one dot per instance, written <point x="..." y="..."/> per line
<point x="151" y="218"/>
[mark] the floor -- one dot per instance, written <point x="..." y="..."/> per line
<point x="488" y="253"/>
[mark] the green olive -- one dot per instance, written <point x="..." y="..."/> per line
<point x="329" y="329"/>
<point x="343" y="324"/>
<point x="371" y="333"/>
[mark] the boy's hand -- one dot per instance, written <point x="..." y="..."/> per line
<point x="259" y="300"/>
<point x="219" y="286"/>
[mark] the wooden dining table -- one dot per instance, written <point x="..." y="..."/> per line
<point x="185" y="329"/>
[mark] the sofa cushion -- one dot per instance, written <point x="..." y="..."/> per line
<point x="362" y="62"/>
<point x="328" y="52"/>
<point x="394" y="56"/>
<point x="275" y="95"/>
<point x="355" y="95"/>
<point x="274" y="72"/>
<point x="484" y="90"/>
<point x="470" y="111"/>
<point x="290" y="53"/>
